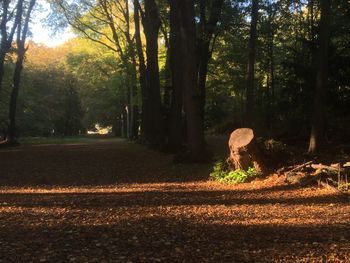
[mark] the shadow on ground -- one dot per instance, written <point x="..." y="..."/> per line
<point x="174" y="240"/>
<point x="92" y="164"/>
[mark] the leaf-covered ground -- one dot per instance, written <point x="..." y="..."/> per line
<point x="118" y="202"/>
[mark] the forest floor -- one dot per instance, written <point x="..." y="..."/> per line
<point x="115" y="201"/>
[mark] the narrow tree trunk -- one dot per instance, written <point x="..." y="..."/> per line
<point x="127" y="114"/>
<point x="271" y="76"/>
<point x="133" y="132"/>
<point x="311" y="20"/>
<point x="124" y="118"/>
<point x="318" y="116"/>
<point x="142" y="72"/>
<point x="207" y="29"/>
<point x="249" y="108"/>
<point x="2" y="69"/>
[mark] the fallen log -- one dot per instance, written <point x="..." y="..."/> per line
<point x="327" y="167"/>
<point x="299" y="167"/>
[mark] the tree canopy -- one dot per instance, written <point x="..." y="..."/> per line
<point x="168" y="72"/>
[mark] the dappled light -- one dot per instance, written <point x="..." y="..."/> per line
<point x="67" y="199"/>
<point x="174" y="131"/>
<point x="203" y="221"/>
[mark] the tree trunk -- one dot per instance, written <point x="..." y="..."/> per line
<point x="2" y="70"/>
<point x="21" y="50"/>
<point x="206" y="33"/>
<point x="175" y="119"/>
<point x="133" y="131"/>
<point x="7" y="37"/>
<point x="271" y="76"/>
<point x="249" y="109"/>
<point x="318" y="116"/>
<point x="151" y="24"/>
<point x="244" y="151"/>
<point x="142" y="72"/>
<point x="12" y="136"/>
<point x="187" y="61"/>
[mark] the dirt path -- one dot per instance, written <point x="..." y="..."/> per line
<point x="117" y="202"/>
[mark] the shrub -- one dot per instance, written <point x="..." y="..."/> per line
<point x="221" y="173"/>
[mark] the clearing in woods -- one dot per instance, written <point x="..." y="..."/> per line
<point x="114" y="201"/>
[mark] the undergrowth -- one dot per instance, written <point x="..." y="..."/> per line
<point x="223" y="174"/>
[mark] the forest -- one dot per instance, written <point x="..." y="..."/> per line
<point x="239" y="109"/>
<point x="280" y="67"/>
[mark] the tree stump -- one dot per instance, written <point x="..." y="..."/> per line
<point x="244" y="151"/>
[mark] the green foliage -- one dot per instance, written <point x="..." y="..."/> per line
<point x="64" y="90"/>
<point x="221" y="173"/>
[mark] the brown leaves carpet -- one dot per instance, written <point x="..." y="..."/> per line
<point x="118" y="202"/>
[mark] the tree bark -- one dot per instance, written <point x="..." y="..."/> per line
<point x="21" y="50"/>
<point x="186" y="79"/>
<point x="175" y="119"/>
<point x="142" y="72"/>
<point x="318" y="116"/>
<point x="133" y="108"/>
<point x="249" y="108"/>
<point x="6" y="37"/>
<point x="271" y="77"/>
<point x="206" y="34"/>
<point x="151" y="24"/>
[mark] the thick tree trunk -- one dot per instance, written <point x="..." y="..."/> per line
<point x="7" y="37"/>
<point x="151" y="24"/>
<point x="21" y="50"/>
<point x="249" y="108"/>
<point x="12" y="136"/>
<point x="175" y="119"/>
<point x="187" y="61"/>
<point x="318" y="116"/>
<point x="4" y="43"/>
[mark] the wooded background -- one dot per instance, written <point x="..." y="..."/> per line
<point x="167" y="72"/>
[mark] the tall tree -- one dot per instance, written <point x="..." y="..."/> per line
<point x="108" y="23"/>
<point x="154" y="126"/>
<point x="318" y="116"/>
<point x="23" y="18"/>
<point x="175" y="136"/>
<point x="206" y="41"/>
<point x="7" y="33"/>
<point x="249" y="109"/>
<point x="141" y="67"/>
<point x="184" y="33"/>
